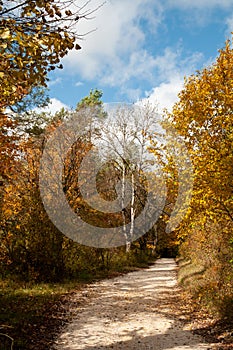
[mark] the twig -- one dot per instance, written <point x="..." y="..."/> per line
<point x="12" y="340"/>
<point x="12" y="8"/>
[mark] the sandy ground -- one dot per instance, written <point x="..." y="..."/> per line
<point x="131" y="312"/>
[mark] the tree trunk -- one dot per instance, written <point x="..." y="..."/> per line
<point x="132" y="210"/>
<point x="123" y="204"/>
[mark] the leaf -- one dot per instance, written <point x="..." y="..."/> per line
<point x="6" y="34"/>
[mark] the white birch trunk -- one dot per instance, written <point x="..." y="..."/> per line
<point x="132" y="210"/>
<point x="123" y="202"/>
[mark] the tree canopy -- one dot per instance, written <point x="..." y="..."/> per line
<point x="34" y="36"/>
<point x="203" y="116"/>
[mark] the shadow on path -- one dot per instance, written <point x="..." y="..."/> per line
<point x="132" y="312"/>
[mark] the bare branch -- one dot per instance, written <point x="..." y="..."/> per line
<point x="12" y="8"/>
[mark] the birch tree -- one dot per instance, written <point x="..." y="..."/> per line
<point x="125" y="138"/>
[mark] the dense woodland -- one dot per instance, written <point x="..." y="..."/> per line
<point x="33" y="250"/>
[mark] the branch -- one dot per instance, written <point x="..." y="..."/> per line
<point x="13" y="8"/>
<point x="228" y="211"/>
<point x="12" y="340"/>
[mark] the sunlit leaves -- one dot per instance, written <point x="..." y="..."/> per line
<point x="34" y="36"/>
<point x="204" y="117"/>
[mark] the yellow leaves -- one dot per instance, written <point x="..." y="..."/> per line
<point x="5" y="34"/>
<point x="204" y="117"/>
<point x="27" y="56"/>
<point x="8" y="213"/>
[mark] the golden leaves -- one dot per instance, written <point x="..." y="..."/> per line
<point x="31" y="44"/>
<point x="204" y="117"/>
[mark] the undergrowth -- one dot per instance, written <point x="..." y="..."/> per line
<point x="28" y="308"/>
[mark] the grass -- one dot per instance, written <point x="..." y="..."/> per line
<point x="31" y="314"/>
<point x="25" y="308"/>
<point x="212" y="290"/>
<point x="189" y="272"/>
<point x="213" y="316"/>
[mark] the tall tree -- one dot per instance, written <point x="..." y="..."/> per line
<point x="203" y="116"/>
<point x="125" y="139"/>
<point x="34" y="36"/>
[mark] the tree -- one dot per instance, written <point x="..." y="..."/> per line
<point x="121" y="142"/>
<point x="35" y="35"/>
<point x="92" y="107"/>
<point x="203" y="116"/>
<point x="125" y="138"/>
<point x="37" y="98"/>
<point x="92" y="100"/>
<point x="31" y="246"/>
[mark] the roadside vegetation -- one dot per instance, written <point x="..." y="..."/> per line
<point x="204" y="118"/>
<point x="31" y="313"/>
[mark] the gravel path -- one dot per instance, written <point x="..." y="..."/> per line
<point x="131" y="312"/>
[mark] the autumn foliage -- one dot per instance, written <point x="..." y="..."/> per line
<point x="34" y="36"/>
<point x="203" y="116"/>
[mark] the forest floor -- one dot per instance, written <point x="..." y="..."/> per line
<point x="139" y="310"/>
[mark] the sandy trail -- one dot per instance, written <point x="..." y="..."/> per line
<point x="131" y="312"/>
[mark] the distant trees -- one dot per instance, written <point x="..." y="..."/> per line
<point x="125" y="138"/>
<point x="31" y="246"/>
<point x="121" y="135"/>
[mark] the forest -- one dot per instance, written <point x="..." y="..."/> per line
<point x="39" y="261"/>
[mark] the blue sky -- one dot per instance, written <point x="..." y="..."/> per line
<point x="142" y="48"/>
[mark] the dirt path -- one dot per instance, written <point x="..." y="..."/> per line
<point x="131" y="312"/>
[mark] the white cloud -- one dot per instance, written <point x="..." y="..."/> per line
<point x="166" y="94"/>
<point x="199" y="3"/>
<point x="172" y="69"/>
<point x="134" y="94"/>
<point x="229" y="23"/>
<point x="147" y="67"/>
<point x="54" y="82"/>
<point x="79" y="83"/>
<point x="118" y="35"/>
<point x="116" y="53"/>
<point x="202" y="10"/>
<point x="54" y="106"/>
